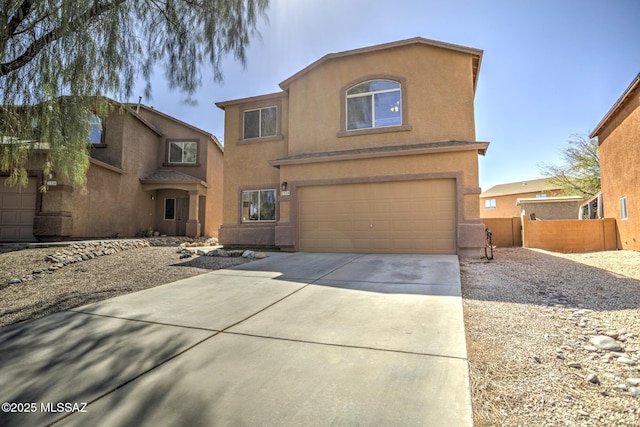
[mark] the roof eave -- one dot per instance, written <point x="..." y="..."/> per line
<point x="618" y="104"/>
<point x="480" y="147"/>
<point x="224" y="104"/>
<point x="472" y="51"/>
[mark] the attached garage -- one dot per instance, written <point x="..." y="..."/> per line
<point x="17" y="209"/>
<point x="378" y="217"/>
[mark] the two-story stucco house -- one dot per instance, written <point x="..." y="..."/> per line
<point x="618" y="141"/>
<point x="147" y="171"/>
<point x="368" y="150"/>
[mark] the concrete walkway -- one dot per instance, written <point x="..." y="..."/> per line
<point x="292" y="340"/>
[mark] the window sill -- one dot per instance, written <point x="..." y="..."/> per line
<point x="401" y="128"/>
<point x="183" y="165"/>
<point x="265" y="139"/>
<point x="258" y="223"/>
<point x="101" y="145"/>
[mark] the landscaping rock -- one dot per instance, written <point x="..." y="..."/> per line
<point x="218" y="252"/>
<point x="248" y="254"/>
<point x="605" y="343"/>
<point x="592" y="378"/>
<point x="626" y="361"/>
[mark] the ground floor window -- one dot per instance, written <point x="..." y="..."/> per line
<point x="258" y="205"/>
<point x="169" y="209"/>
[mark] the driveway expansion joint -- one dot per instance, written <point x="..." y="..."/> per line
<point x="328" y="344"/>
<point x="151" y="322"/>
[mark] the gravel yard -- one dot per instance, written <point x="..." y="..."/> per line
<point x="530" y="317"/>
<point x="92" y="280"/>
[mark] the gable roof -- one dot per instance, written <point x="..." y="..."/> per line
<point x="635" y="84"/>
<point x="133" y="110"/>
<point x="519" y="187"/>
<point x="476" y="53"/>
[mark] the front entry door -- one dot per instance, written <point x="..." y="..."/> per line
<point x="182" y="215"/>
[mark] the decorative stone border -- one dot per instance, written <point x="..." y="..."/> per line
<point x="85" y="250"/>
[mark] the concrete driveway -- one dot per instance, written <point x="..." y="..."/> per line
<point x="295" y="339"/>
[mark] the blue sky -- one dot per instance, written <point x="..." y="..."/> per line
<point x="551" y="68"/>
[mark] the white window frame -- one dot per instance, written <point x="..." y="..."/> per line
<point x="624" y="214"/>
<point x="182" y="162"/>
<point x="260" y="135"/>
<point x="490" y="203"/>
<point x="371" y="95"/>
<point x="164" y="214"/>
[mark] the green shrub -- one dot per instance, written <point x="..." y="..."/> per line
<point x="145" y="232"/>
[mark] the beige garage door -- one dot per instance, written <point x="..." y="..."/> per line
<point x="386" y="217"/>
<point x="17" y="209"/>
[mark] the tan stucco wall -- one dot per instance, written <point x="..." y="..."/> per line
<point x="619" y="159"/>
<point x="439" y="93"/>
<point x="246" y="162"/>
<point x="587" y="235"/>
<point x="552" y="210"/>
<point x="115" y="202"/>
<point x="214" y="199"/>
<point x="464" y="163"/>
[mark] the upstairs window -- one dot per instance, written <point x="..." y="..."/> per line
<point x="95" y="135"/>
<point x="374" y="104"/>
<point x="490" y="203"/>
<point x="183" y="152"/>
<point x="260" y="123"/>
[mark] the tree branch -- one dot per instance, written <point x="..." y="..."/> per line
<point x="39" y="44"/>
<point x="17" y="18"/>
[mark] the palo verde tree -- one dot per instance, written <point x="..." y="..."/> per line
<point x="578" y="173"/>
<point x="58" y="57"/>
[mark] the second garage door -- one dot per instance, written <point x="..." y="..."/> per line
<point x="17" y="209"/>
<point x="383" y="217"/>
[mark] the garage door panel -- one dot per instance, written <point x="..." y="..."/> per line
<point x="387" y="217"/>
<point x="17" y="210"/>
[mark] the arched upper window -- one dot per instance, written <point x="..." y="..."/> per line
<point x="374" y="104"/>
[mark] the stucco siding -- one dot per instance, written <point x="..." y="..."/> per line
<point x="620" y="173"/>
<point x="438" y="89"/>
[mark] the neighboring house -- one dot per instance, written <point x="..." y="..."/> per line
<point x="546" y="208"/>
<point x="500" y="200"/>
<point x="147" y="171"/>
<point x="619" y="141"/>
<point x="369" y="150"/>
